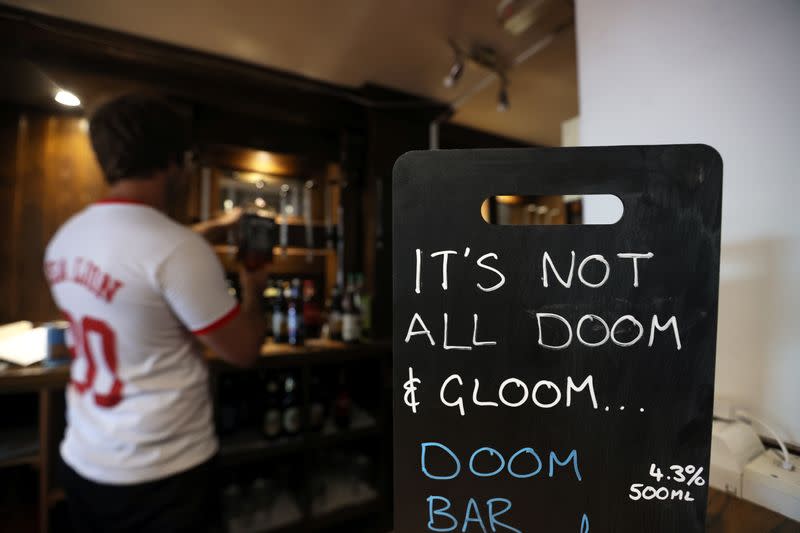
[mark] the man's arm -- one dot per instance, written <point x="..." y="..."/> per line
<point x="239" y="340"/>
<point x="215" y="230"/>
<point x="193" y="283"/>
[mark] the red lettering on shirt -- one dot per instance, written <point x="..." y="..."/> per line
<point x="109" y="287"/>
<point x="55" y="271"/>
<point x="84" y="273"/>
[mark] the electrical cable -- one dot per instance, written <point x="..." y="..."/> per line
<point x="747" y="418"/>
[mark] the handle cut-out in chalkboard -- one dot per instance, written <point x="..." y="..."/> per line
<point x="549" y="210"/>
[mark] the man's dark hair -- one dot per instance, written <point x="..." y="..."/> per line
<point x="135" y="135"/>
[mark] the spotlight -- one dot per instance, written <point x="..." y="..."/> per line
<point x="502" y="99"/>
<point x="67" y="98"/>
<point x="455" y="73"/>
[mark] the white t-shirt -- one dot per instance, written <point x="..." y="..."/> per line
<point x="136" y="288"/>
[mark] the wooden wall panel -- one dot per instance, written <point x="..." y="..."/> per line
<point x="54" y="175"/>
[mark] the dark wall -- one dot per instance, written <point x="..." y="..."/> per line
<point x="390" y="135"/>
<point x="453" y="136"/>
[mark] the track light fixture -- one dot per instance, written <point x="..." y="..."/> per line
<point x="455" y="72"/>
<point x="502" y="96"/>
<point x="486" y="58"/>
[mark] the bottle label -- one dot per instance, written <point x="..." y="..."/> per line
<point x="343" y="404"/>
<point x="278" y="324"/>
<point x="317" y="414"/>
<point x="335" y="324"/>
<point x="291" y="420"/>
<point x="295" y="325"/>
<point x="351" y="327"/>
<point x="366" y="315"/>
<point x="272" y="423"/>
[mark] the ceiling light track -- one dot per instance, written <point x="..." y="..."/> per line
<point x="496" y="70"/>
<point x="484" y="57"/>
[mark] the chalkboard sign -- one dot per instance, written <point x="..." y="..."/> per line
<point x="555" y="378"/>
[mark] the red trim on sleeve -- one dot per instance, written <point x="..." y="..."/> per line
<point x="119" y="201"/>
<point x="227" y="317"/>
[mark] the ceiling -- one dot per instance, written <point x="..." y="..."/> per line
<point x="400" y="44"/>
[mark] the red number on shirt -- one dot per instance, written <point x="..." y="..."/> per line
<point x="82" y="347"/>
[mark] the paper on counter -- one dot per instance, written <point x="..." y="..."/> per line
<point x="22" y="344"/>
<point x="15" y="328"/>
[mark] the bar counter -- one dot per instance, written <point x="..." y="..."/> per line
<point x="48" y="383"/>
<point x="726" y="513"/>
<point x="35" y="377"/>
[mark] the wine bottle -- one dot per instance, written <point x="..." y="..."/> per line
<point x="312" y="315"/>
<point x="291" y="407"/>
<point x="343" y="404"/>
<point x="294" y="317"/>
<point x="335" y="315"/>
<point x="280" y="330"/>
<point x="351" y="315"/>
<point x="365" y="306"/>
<point x="272" y="422"/>
<point x="317" y="409"/>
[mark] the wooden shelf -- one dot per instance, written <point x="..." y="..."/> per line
<point x="294" y="220"/>
<point x="55" y="496"/>
<point x="231" y="250"/>
<point x="324" y="441"/>
<point x="363" y="425"/>
<point x="332" y="518"/>
<point x="345" y="513"/>
<point x="32" y="378"/>
<point x="32" y="460"/>
<point x="314" y="351"/>
<point x="250" y="445"/>
<point x="20" y="446"/>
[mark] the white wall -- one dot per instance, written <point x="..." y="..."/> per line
<point x="570" y="132"/>
<point x="724" y="73"/>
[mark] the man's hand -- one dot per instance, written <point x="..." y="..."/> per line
<point x="253" y="281"/>
<point x="214" y="230"/>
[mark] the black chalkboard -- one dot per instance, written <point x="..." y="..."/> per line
<point x="545" y="458"/>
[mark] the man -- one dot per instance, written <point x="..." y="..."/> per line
<point x="138" y="290"/>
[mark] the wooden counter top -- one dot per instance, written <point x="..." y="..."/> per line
<point x="729" y="514"/>
<point x="34" y="377"/>
<point x="320" y="346"/>
<point x="315" y="351"/>
<point x="17" y="379"/>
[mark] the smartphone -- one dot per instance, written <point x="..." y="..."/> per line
<point x="257" y="237"/>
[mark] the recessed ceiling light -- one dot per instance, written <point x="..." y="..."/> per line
<point x="67" y="98"/>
